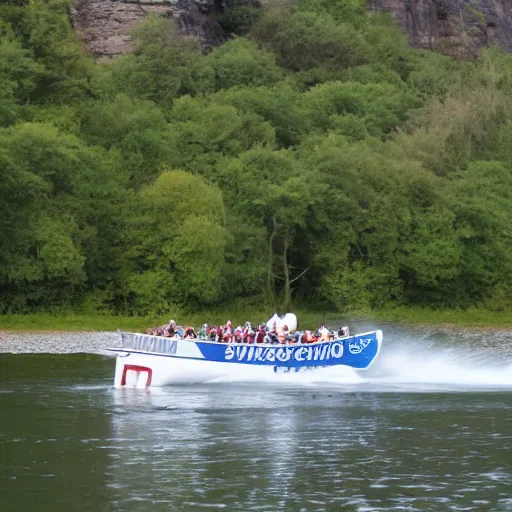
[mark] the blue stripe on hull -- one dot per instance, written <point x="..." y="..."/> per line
<point x="356" y="351"/>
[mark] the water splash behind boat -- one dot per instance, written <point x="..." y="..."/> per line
<point x="427" y="363"/>
<point x="433" y="362"/>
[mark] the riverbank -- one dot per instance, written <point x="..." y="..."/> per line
<point x="307" y="319"/>
<point x="472" y="317"/>
<point x="75" y="322"/>
<point x="58" y="342"/>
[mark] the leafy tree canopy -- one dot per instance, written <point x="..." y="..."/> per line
<point x="314" y="156"/>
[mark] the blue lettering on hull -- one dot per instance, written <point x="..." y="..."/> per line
<point x="356" y="351"/>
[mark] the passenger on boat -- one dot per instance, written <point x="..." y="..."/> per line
<point x="280" y="335"/>
<point x="220" y="334"/>
<point x="308" y="337"/>
<point x="248" y="334"/>
<point x="212" y="335"/>
<point x="238" y="334"/>
<point x="343" y="331"/>
<point x="325" y="335"/>
<point x="271" y="335"/>
<point x="159" y="331"/>
<point x="285" y="336"/>
<point x="228" y="332"/>
<point x="260" y="335"/>
<point x="189" y="333"/>
<point x="170" y="330"/>
<point x="203" y="332"/>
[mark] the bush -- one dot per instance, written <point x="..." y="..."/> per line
<point x="240" y="17"/>
<point x="306" y="40"/>
<point x="240" y="63"/>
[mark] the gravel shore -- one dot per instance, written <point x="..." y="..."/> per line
<point x="58" y="342"/>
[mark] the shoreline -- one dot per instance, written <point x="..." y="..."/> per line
<point x="494" y="339"/>
<point x="57" y="342"/>
<point x="46" y="323"/>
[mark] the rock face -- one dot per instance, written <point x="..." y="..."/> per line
<point x="105" y="25"/>
<point x="455" y="27"/>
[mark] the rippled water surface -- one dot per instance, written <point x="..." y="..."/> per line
<point x="428" y="428"/>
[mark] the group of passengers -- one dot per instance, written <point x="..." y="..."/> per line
<point x="248" y="334"/>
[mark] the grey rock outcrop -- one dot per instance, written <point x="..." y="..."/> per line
<point x="104" y="25"/>
<point x="455" y="27"/>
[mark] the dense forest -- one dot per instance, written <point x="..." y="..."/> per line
<point x="313" y="158"/>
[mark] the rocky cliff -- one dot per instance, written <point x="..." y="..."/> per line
<point x="454" y="27"/>
<point x="105" y="25"/>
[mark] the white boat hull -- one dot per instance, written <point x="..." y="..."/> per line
<point x="143" y="370"/>
<point x="146" y="361"/>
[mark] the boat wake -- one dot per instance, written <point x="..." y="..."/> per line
<point x="424" y="364"/>
<point x="410" y="366"/>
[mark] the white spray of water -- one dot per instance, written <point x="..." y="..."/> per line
<point x="405" y="365"/>
<point x="433" y="363"/>
<point x="337" y="375"/>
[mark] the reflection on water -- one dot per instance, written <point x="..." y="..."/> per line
<point x="311" y="450"/>
<point x="428" y="428"/>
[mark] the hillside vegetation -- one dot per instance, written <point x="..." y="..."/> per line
<point x="314" y="158"/>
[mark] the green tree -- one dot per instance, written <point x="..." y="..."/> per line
<point x="447" y="134"/>
<point x="276" y="193"/>
<point x="483" y="213"/>
<point x="430" y="253"/>
<point x="202" y="133"/>
<point x="49" y="34"/>
<point x="240" y="17"/>
<point x="163" y="66"/>
<point x="305" y="40"/>
<point x="361" y="214"/>
<point x="42" y="257"/>
<point x="19" y="74"/>
<point x="358" y="110"/>
<point x="351" y="11"/>
<point x="281" y="105"/>
<point x="177" y="244"/>
<point x="239" y="62"/>
<point x="137" y="129"/>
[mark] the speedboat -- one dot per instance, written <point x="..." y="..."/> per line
<point x="146" y="360"/>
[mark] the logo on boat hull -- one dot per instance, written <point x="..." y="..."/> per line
<point x="290" y="355"/>
<point x="357" y="346"/>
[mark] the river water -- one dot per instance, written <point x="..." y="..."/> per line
<point x="427" y="428"/>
